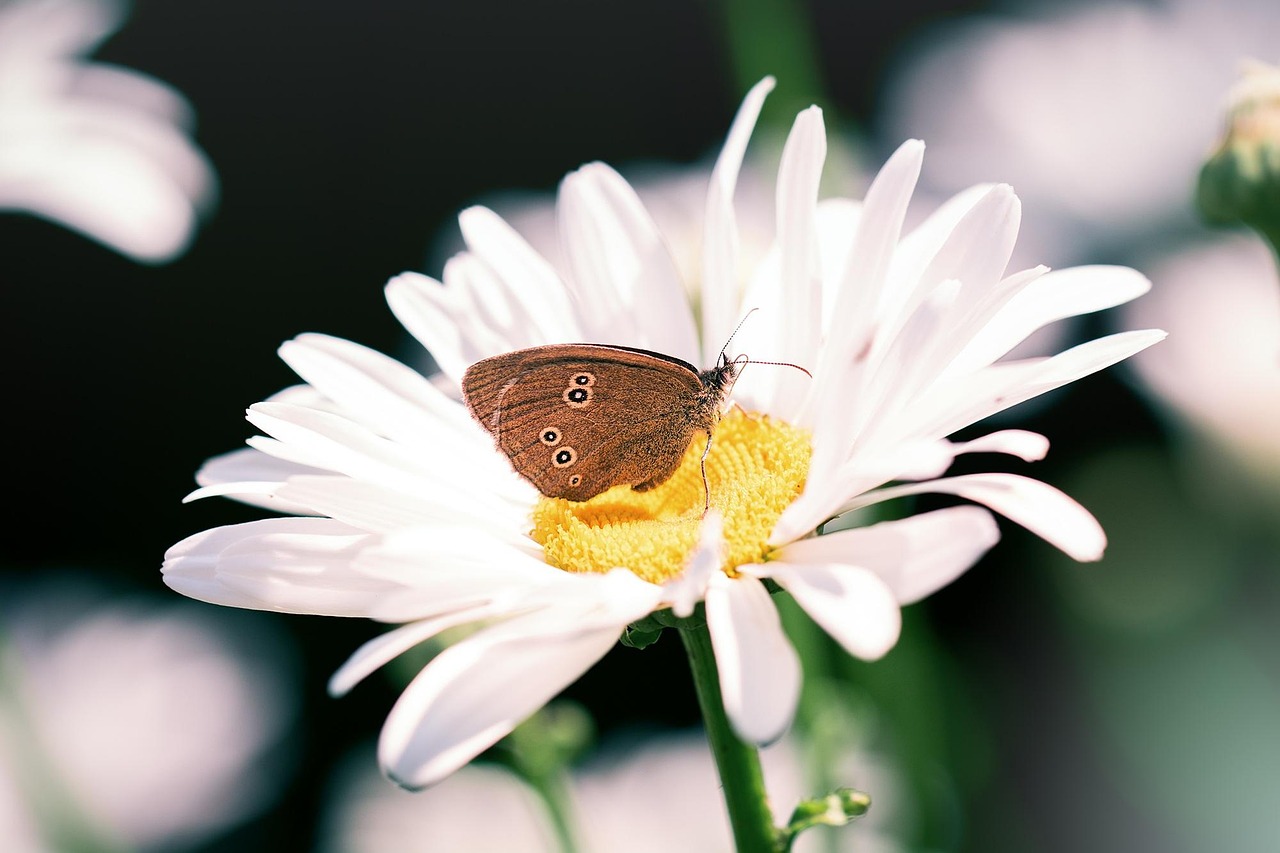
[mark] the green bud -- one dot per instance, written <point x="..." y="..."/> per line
<point x="637" y="637"/>
<point x="834" y="809"/>
<point x="1240" y="182"/>
<point x="550" y="740"/>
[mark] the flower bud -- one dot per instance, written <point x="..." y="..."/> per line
<point x="1240" y="182"/>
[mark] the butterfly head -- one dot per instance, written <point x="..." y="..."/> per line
<point x="718" y="381"/>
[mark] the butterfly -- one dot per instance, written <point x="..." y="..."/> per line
<point x="577" y="419"/>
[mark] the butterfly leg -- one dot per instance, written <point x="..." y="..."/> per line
<point x="706" y="486"/>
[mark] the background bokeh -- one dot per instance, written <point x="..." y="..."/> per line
<point x="1132" y="705"/>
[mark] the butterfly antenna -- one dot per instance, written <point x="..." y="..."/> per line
<point x="745" y="361"/>
<point x="724" y="349"/>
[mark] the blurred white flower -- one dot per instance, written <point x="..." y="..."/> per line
<point x="1100" y="113"/>
<point x="152" y="723"/>
<point x="660" y="793"/>
<point x="1220" y="369"/>
<point x="99" y="149"/>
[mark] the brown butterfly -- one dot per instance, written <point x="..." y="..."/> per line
<point x="576" y="419"/>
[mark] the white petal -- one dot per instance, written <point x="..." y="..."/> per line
<point x="862" y="282"/>
<point x="851" y="604"/>
<point x="525" y="275"/>
<point x="436" y="558"/>
<point x="621" y="266"/>
<point x="914" y="556"/>
<point x="759" y="670"/>
<point x="478" y="690"/>
<point x="1037" y="506"/>
<point x="978" y="248"/>
<point x="1056" y="296"/>
<point x="295" y="565"/>
<point x="378" y="509"/>
<point x="440" y="318"/>
<point x="332" y="442"/>
<point x="250" y="476"/>
<point x="720" y="233"/>
<point x="801" y="322"/>
<point x="390" y="645"/>
<point x="1027" y="446"/>
<point x="500" y="316"/>
<point x="955" y="405"/>
<point x="685" y="591"/>
<point x="380" y="392"/>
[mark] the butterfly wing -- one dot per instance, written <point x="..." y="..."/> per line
<point x="576" y="419"/>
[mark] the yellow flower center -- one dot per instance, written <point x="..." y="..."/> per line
<point x="757" y="466"/>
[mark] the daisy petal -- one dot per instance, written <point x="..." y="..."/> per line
<point x="1055" y="296"/>
<point x="861" y="283"/>
<point x="615" y="250"/>
<point x="684" y="592"/>
<point x="798" y="178"/>
<point x="914" y="556"/>
<point x="525" y="275"/>
<point x="294" y="565"/>
<point x="720" y="241"/>
<point x="958" y="404"/>
<point x="440" y="318"/>
<point x="386" y="395"/>
<point x="1037" y="506"/>
<point x="759" y="670"/>
<point x="623" y="275"/>
<point x="851" y="604"/>
<point x="1027" y="446"/>
<point x="474" y="693"/>
<point x="390" y="645"/>
<point x="478" y="690"/>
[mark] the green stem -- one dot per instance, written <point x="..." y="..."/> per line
<point x="738" y="763"/>
<point x="553" y="789"/>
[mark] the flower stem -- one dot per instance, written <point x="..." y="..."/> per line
<point x="553" y="789"/>
<point x="738" y="763"/>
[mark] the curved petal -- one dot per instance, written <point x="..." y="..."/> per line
<point x="623" y="273"/>
<point x="799" y="174"/>
<point x="441" y="319"/>
<point x="720" y="231"/>
<point x="385" y="647"/>
<point x="914" y="556"/>
<point x="851" y="604"/>
<point x="759" y="670"/>
<point x="524" y="274"/>
<point x="1039" y="507"/>
<point x="293" y="565"/>
<point x="478" y="690"/>
<point x="1055" y="296"/>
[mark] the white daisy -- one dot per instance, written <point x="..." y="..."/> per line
<point x="100" y="149"/>
<point x="411" y="516"/>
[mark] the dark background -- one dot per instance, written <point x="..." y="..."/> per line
<point x="346" y="137"/>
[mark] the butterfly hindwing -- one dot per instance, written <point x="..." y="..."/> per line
<point x="576" y="419"/>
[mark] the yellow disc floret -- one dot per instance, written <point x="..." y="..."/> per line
<point x="756" y="468"/>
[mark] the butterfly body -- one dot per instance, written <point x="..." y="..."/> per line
<point x="577" y="419"/>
